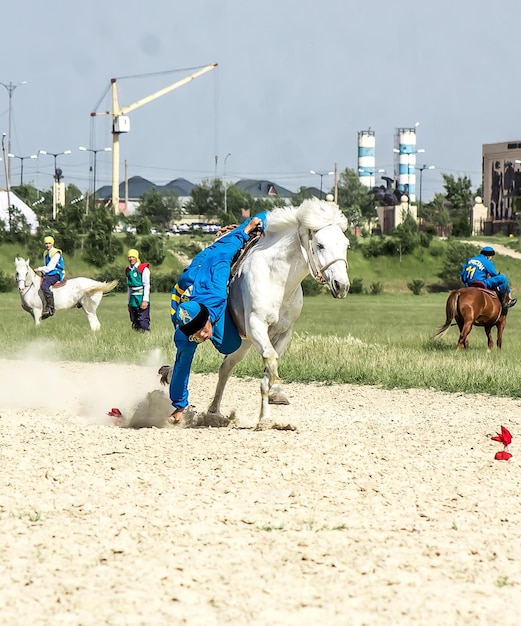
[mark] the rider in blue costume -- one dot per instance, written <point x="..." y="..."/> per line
<point x="53" y="271"/>
<point x="199" y="307"/>
<point x="480" y="269"/>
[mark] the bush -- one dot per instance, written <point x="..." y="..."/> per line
<point x="373" y="248"/>
<point x="7" y="283"/>
<point x="376" y="288"/>
<point x="455" y="256"/>
<point x="163" y="283"/>
<point x="101" y="248"/>
<point x="68" y="240"/>
<point x="152" y="250"/>
<point x="114" y="272"/>
<point x="416" y="286"/>
<point x="130" y="240"/>
<point x="159" y="282"/>
<point x="310" y="287"/>
<point x="357" y="286"/>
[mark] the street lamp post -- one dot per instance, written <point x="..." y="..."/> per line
<point x="57" y="175"/>
<point x="6" y="179"/>
<point x="420" y="169"/>
<point x="10" y="89"/>
<point x="321" y="174"/>
<point x="22" y="159"/>
<point x="95" y="153"/>
<point x="224" y="181"/>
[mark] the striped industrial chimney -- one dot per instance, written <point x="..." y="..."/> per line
<point x="405" y="161"/>
<point x="366" y="158"/>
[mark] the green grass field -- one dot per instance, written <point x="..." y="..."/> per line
<point x="378" y="340"/>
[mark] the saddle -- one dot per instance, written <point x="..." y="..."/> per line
<point x="243" y="252"/>
<point x="60" y="283"/>
<point x="477" y="284"/>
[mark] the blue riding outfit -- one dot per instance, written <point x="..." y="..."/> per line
<point x="53" y="272"/>
<point x="203" y="286"/>
<point x="481" y="269"/>
<point x="53" y="268"/>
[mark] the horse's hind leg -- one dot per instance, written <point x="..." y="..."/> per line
<point x="465" y="329"/>
<point x="90" y="306"/>
<point x="229" y="362"/>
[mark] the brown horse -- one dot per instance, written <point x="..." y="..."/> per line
<point x="472" y="306"/>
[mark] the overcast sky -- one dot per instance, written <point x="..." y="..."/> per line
<point x="296" y="80"/>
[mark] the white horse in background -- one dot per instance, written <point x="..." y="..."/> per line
<point x="265" y="294"/>
<point x="80" y="292"/>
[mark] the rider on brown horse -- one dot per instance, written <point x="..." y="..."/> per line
<point x="479" y="271"/>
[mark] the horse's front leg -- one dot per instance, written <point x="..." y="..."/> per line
<point x="500" y="328"/>
<point x="37" y="316"/>
<point x="225" y="371"/>
<point x="276" y="394"/>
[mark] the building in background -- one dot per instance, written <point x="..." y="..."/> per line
<point x="137" y="186"/>
<point x="264" y="189"/>
<point x="10" y="199"/>
<point x="501" y="170"/>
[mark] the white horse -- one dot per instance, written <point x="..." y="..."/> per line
<point x="80" y="292"/>
<point x="265" y="294"/>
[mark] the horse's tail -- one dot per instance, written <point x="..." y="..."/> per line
<point x="104" y="287"/>
<point x="451" y="309"/>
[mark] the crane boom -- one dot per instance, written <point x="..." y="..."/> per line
<point x="162" y="92"/>
<point x="118" y="112"/>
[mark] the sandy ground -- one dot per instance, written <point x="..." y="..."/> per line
<point x="382" y="507"/>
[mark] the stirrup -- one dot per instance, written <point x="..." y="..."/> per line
<point x="512" y="303"/>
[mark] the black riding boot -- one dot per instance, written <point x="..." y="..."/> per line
<point x="507" y="302"/>
<point x="49" y="305"/>
<point x="503" y="298"/>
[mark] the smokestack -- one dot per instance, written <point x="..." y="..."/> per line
<point x="405" y="161"/>
<point x="366" y="158"/>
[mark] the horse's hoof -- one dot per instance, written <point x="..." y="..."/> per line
<point x="216" y="420"/>
<point x="279" y="426"/>
<point x="278" y="398"/>
<point x="165" y="372"/>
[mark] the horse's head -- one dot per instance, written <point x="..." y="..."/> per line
<point x="326" y="245"/>
<point x="23" y="273"/>
<point x="327" y="259"/>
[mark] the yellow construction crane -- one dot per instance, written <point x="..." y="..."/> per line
<point x="121" y="122"/>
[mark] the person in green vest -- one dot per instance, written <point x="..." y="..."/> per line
<point x="138" y="281"/>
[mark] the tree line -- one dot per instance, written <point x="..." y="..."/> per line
<point x="87" y="227"/>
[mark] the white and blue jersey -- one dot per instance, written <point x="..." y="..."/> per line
<point x="481" y="269"/>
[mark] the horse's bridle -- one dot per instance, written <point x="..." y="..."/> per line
<point x="310" y="256"/>
<point x="24" y="283"/>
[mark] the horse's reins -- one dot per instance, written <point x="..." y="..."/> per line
<point x="310" y="255"/>
<point x="27" y="287"/>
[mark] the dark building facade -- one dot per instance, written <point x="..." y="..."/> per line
<point x="502" y="184"/>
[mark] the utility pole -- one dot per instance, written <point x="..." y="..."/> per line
<point x="10" y="90"/>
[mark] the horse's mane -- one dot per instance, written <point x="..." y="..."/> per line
<point x="313" y="214"/>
